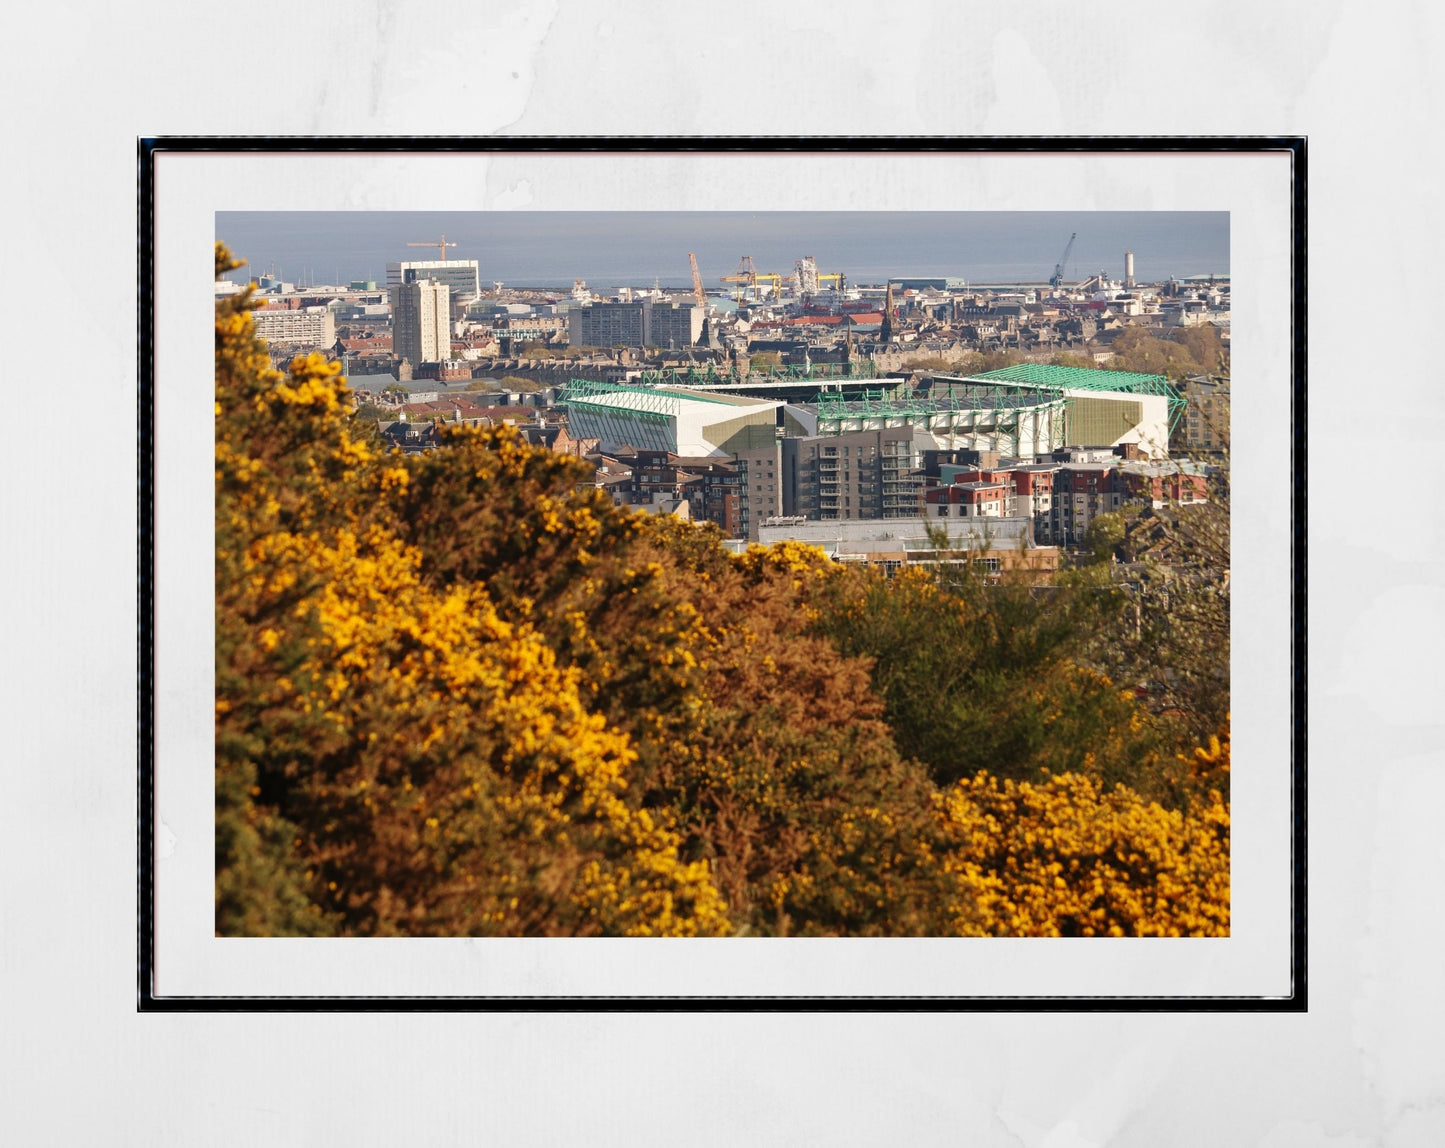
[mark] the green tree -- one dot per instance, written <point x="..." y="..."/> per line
<point x="1171" y="640"/>
<point x="930" y="363"/>
<point x="1188" y="351"/>
<point x="982" y="673"/>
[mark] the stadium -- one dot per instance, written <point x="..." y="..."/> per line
<point x="1018" y="411"/>
<point x="695" y="424"/>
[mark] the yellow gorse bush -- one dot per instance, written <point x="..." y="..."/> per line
<point x="437" y="766"/>
<point x="1065" y="858"/>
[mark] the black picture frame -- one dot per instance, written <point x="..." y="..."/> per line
<point x="150" y="149"/>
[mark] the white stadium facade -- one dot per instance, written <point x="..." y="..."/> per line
<point x="695" y="424"/>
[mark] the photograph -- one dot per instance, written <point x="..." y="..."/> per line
<point x="791" y="573"/>
<point x="579" y="577"/>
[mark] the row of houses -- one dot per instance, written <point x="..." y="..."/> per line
<point x="1061" y="496"/>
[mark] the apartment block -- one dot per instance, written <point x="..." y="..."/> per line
<point x="313" y="327"/>
<point x="421" y="324"/>
<point x="736" y="493"/>
<point x="760" y="473"/>
<point x="861" y="475"/>
<point x="1205" y="426"/>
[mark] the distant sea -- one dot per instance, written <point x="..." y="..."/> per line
<point x="607" y="249"/>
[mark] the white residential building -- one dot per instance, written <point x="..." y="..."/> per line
<point x="312" y="327"/>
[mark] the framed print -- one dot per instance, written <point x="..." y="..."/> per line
<point x="722" y="573"/>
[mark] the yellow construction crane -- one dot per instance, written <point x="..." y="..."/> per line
<point x="443" y="245"/>
<point x="697" y="292"/>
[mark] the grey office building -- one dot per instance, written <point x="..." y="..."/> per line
<point x="461" y="276"/>
<point x="639" y="324"/>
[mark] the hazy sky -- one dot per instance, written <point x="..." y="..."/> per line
<point x="634" y="247"/>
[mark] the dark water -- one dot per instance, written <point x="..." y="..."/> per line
<point x="620" y="247"/>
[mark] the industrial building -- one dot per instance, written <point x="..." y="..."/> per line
<point x="996" y="545"/>
<point x="928" y="283"/>
<point x="682" y="422"/>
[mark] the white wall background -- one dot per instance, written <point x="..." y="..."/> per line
<point x="1366" y="1066"/>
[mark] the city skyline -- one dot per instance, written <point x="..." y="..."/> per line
<point x="636" y="248"/>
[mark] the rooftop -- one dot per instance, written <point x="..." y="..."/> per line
<point x="1075" y="378"/>
<point x="657" y="400"/>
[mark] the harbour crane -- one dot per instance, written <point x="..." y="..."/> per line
<point x="443" y="245"/>
<point x="748" y="278"/>
<point x="745" y="274"/>
<point x="1056" y="280"/>
<point x="771" y="277"/>
<point x="697" y="292"/>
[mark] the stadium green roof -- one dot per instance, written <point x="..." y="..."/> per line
<point x="1051" y="378"/>
<point x="580" y="390"/>
<point x="1077" y="378"/>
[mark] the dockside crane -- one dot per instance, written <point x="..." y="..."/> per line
<point x="745" y="276"/>
<point x="1057" y="279"/>
<point x="771" y="277"/>
<point x="697" y="292"/>
<point x="748" y="278"/>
